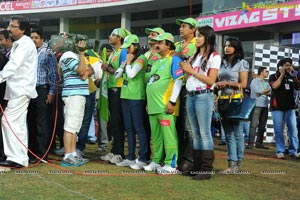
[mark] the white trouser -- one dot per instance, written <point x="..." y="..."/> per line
<point x="15" y="115"/>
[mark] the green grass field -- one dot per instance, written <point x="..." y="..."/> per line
<point x="265" y="177"/>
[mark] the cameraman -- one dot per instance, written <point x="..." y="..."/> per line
<point x="74" y="94"/>
<point x="283" y="83"/>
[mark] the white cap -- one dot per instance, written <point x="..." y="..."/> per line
<point x="68" y="54"/>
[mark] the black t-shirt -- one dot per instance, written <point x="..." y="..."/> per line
<point x="282" y="98"/>
<point x="3" y="61"/>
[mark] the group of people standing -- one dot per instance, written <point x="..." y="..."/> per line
<point x="166" y="95"/>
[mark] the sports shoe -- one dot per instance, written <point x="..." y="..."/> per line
<point x="101" y="149"/>
<point x="152" y="166"/>
<point x="138" y="165"/>
<point x="60" y="152"/>
<point x="295" y="155"/>
<point x="70" y="161"/>
<point x="280" y="155"/>
<point x="107" y="156"/>
<point x="82" y="160"/>
<point x="116" y="159"/>
<point x="125" y="163"/>
<point x="167" y="169"/>
<point x="79" y="153"/>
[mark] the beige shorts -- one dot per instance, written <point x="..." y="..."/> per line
<point x="73" y="111"/>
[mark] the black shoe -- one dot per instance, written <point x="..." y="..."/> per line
<point x="222" y="143"/>
<point x="261" y="146"/>
<point x="249" y="146"/>
<point x="10" y="164"/>
<point x="33" y="160"/>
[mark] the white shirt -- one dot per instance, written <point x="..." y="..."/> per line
<point x="213" y="62"/>
<point x="20" y="73"/>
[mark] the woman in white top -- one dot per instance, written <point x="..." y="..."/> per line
<point x="201" y="72"/>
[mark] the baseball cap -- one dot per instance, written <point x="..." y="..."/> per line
<point x="190" y="21"/>
<point x="67" y="54"/>
<point x="164" y="36"/>
<point x="130" y="39"/>
<point x="122" y="32"/>
<point x="156" y="30"/>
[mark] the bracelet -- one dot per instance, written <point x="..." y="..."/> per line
<point x="172" y="103"/>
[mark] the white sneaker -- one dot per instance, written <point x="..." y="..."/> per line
<point x="152" y="166"/>
<point x="125" y="163"/>
<point x="280" y="155"/>
<point x="116" y="159"/>
<point x="167" y="169"/>
<point x="138" y="165"/>
<point x="295" y="155"/>
<point x="79" y="153"/>
<point x="107" y="156"/>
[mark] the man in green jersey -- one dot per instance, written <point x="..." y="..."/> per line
<point x="162" y="92"/>
<point x="116" y="125"/>
<point x="185" y="49"/>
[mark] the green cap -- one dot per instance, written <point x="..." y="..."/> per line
<point x="190" y="21"/>
<point x="130" y="39"/>
<point x="122" y="32"/>
<point x="164" y="36"/>
<point x="156" y="30"/>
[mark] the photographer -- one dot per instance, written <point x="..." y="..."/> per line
<point x="282" y="105"/>
<point x="75" y="73"/>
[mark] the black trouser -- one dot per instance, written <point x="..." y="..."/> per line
<point x="116" y="125"/>
<point x="185" y="142"/>
<point x="38" y="124"/>
<point x="259" y="121"/>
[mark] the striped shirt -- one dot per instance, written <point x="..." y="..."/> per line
<point x="73" y="85"/>
<point x="46" y="72"/>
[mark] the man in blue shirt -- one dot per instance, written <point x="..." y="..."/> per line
<point x="260" y="90"/>
<point x="38" y="110"/>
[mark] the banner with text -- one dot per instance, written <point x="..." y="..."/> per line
<point x="40" y="4"/>
<point x="260" y="14"/>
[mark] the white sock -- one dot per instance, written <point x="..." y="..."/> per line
<point x="74" y="153"/>
<point x="66" y="155"/>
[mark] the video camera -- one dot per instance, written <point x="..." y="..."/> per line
<point x="60" y="45"/>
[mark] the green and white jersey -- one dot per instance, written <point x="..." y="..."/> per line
<point x="187" y="50"/>
<point x="115" y="60"/>
<point x="134" y="88"/>
<point x="163" y="75"/>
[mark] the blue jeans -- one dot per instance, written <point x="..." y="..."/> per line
<point x="246" y="129"/>
<point x="87" y="117"/>
<point x="289" y="117"/>
<point x="134" y="122"/>
<point x="199" y="111"/>
<point x="234" y="139"/>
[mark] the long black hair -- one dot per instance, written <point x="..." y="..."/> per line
<point x="209" y="44"/>
<point x="137" y="50"/>
<point x="238" y="50"/>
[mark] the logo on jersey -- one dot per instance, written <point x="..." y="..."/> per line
<point x="164" y="122"/>
<point x="178" y="72"/>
